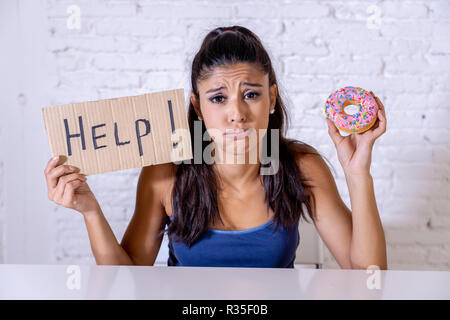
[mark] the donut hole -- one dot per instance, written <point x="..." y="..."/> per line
<point x="351" y="109"/>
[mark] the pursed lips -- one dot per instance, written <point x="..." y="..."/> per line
<point x="236" y="132"/>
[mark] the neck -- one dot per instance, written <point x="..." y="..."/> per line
<point x="237" y="176"/>
<point x="236" y="172"/>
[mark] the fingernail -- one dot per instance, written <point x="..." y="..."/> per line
<point x="71" y="168"/>
<point x="55" y="158"/>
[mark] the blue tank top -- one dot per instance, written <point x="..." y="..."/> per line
<point x="258" y="247"/>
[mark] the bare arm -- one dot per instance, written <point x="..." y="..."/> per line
<point x="69" y="189"/>
<point x="142" y="239"/>
<point x="104" y="245"/>
<point x="368" y="246"/>
<point x="333" y="220"/>
<point x="355" y="238"/>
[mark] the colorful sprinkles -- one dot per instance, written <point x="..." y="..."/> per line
<point x="359" y="121"/>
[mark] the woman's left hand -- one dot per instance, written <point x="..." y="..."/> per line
<point x="355" y="150"/>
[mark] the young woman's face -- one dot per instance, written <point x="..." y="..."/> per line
<point x="235" y="97"/>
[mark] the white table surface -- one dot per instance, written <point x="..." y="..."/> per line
<point x="25" y="281"/>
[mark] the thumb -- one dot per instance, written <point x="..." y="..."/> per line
<point x="334" y="133"/>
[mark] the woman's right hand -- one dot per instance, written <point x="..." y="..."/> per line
<point x="68" y="188"/>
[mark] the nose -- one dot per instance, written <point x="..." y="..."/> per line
<point x="237" y="112"/>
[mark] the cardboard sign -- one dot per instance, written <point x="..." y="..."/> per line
<point x="120" y="133"/>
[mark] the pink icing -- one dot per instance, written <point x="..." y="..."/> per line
<point x="368" y="108"/>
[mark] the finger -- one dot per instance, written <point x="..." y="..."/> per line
<point x="380" y="105"/>
<point x="52" y="163"/>
<point x="379" y="128"/>
<point x="334" y="133"/>
<point x="381" y="116"/>
<point x="69" y="192"/>
<point x="55" y="173"/>
<point x="378" y="102"/>
<point x="376" y="133"/>
<point x="380" y="125"/>
<point x="59" y="190"/>
<point x="382" y="113"/>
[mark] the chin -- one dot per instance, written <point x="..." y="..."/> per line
<point x="241" y="148"/>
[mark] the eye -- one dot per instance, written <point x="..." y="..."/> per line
<point x="255" y="94"/>
<point x="216" y="97"/>
<point x="252" y="95"/>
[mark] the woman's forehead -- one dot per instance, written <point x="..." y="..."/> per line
<point x="236" y="72"/>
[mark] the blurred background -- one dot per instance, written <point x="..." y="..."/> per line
<point x="59" y="52"/>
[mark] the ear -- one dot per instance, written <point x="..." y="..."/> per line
<point x="195" y="103"/>
<point x="273" y="95"/>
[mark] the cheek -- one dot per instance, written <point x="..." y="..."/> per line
<point x="212" y="120"/>
<point x="263" y="106"/>
<point x="262" y="116"/>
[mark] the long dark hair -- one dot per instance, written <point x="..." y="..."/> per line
<point x="194" y="195"/>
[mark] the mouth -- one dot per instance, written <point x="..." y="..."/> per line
<point x="236" y="134"/>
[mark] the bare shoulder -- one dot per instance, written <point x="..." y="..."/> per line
<point x="322" y="187"/>
<point x="312" y="165"/>
<point x="142" y="239"/>
<point x="160" y="172"/>
<point x="159" y="178"/>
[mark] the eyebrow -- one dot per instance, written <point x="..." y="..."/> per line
<point x="243" y="83"/>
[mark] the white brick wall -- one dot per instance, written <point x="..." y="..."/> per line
<point x="128" y="47"/>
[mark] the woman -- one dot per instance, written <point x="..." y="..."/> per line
<point x="227" y="213"/>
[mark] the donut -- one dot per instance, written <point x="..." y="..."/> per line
<point x="359" y="122"/>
